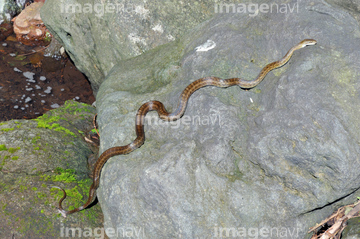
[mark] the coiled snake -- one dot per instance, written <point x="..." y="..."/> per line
<point x="164" y="115"/>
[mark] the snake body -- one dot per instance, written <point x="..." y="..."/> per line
<point x="165" y="115"/>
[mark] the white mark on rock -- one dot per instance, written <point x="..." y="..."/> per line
<point x="208" y="45"/>
<point x="158" y="28"/>
<point x="136" y="39"/>
<point x="140" y="10"/>
<point x="170" y="37"/>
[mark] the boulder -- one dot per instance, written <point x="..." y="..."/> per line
<point x="35" y="156"/>
<point x="268" y="162"/>
<point x="99" y="34"/>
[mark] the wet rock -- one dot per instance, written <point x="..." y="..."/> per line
<point x="36" y="155"/>
<point x="10" y="8"/>
<point x="277" y="159"/>
<point x="5" y="30"/>
<point x="117" y="30"/>
<point x="29" y="28"/>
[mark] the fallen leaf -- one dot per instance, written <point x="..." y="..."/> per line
<point x="11" y="38"/>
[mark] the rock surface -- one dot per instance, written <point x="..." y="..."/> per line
<point x="10" y="8"/>
<point x="29" y="28"/>
<point x="97" y="38"/>
<point x="36" y="155"/>
<point x="275" y="160"/>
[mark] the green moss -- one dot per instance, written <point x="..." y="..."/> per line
<point x="7" y="129"/>
<point x="18" y="124"/>
<point x="6" y="157"/>
<point x="73" y="107"/>
<point x="76" y="195"/>
<point x="36" y="148"/>
<point x="13" y="150"/>
<point x="22" y="188"/>
<point x="2" y="147"/>
<point x="257" y="91"/>
<point x="41" y="195"/>
<point x="15" y="157"/>
<point x="47" y="37"/>
<point x="47" y="122"/>
<point x="35" y="139"/>
<point x="67" y="175"/>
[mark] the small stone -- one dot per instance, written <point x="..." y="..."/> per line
<point x="16" y="107"/>
<point x="42" y="78"/>
<point x="29" y="75"/>
<point x="28" y="99"/>
<point x="48" y="90"/>
<point x="17" y="69"/>
<point x="54" y="106"/>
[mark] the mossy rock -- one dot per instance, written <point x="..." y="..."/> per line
<point x="36" y="155"/>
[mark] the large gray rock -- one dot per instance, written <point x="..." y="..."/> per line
<point x="97" y="35"/>
<point x="276" y="159"/>
<point x="273" y="160"/>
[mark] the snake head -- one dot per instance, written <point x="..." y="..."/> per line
<point x="307" y="42"/>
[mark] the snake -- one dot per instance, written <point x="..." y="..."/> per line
<point x="166" y="116"/>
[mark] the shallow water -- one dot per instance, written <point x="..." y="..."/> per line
<point x="31" y="84"/>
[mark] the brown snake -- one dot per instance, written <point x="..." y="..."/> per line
<point x="164" y="115"/>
